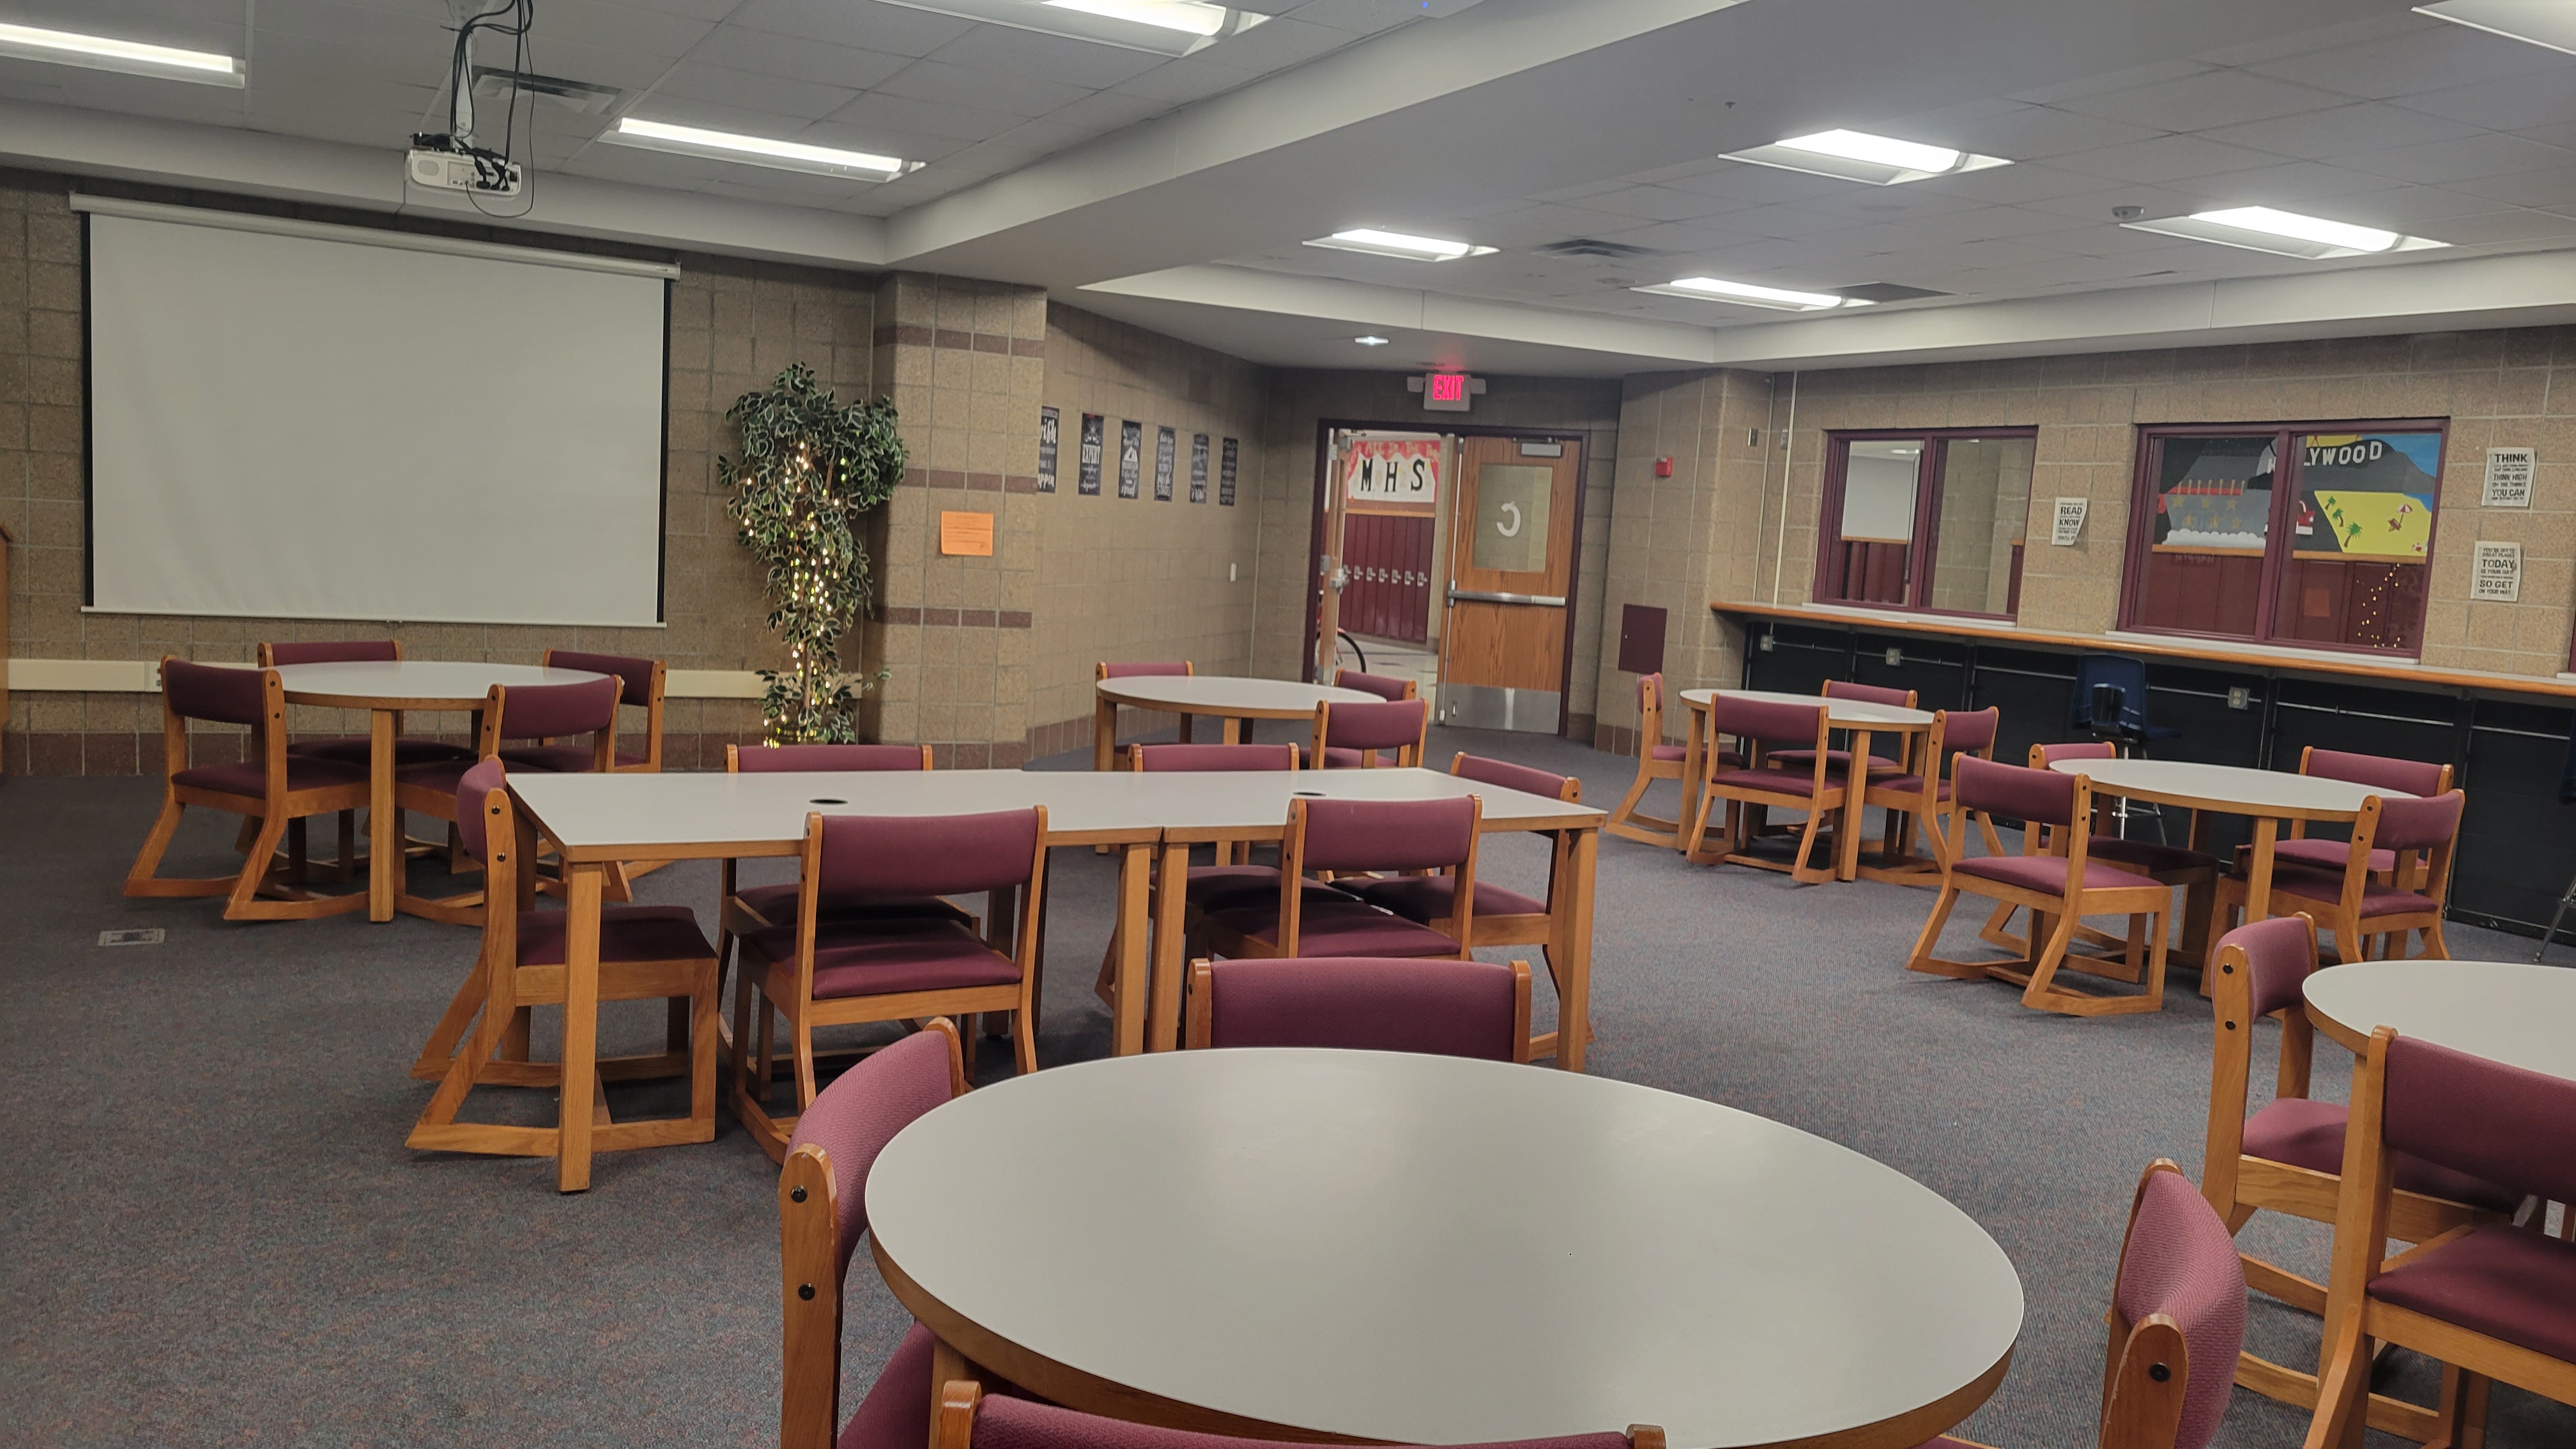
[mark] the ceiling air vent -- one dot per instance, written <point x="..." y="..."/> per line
<point x="1886" y="292"/>
<point x="1585" y="246"/>
<point x="492" y="84"/>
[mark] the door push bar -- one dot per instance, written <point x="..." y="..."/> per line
<point x="1480" y="596"/>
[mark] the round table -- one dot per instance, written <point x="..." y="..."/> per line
<point x="1863" y="719"/>
<point x="385" y="689"/>
<point x="1231" y="698"/>
<point x="2506" y="1011"/>
<point x="1431" y="1250"/>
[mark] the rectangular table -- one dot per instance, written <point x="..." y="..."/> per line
<point x="596" y="821"/>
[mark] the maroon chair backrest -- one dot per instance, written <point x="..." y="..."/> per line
<point x="1650" y="691"/>
<point x="1388" y="726"/>
<point x="1509" y="776"/>
<point x="821" y="759"/>
<point x="2041" y="797"/>
<point x="1866" y="693"/>
<point x="1372" y="835"/>
<point x="2512" y="1127"/>
<point x="634" y="675"/>
<point x="2280" y="954"/>
<point x="1154" y="758"/>
<point x="1007" y="1423"/>
<point x="213" y="692"/>
<point x="1383" y="686"/>
<point x="1765" y="720"/>
<point x="1439" y="1008"/>
<point x="853" y="1119"/>
<point x="549" y="711"/>
<point x="486" y="777"/>
<point x="2383" y="772"/>
<point x="1970" y="731"/>
<point x="2418" y="824"/>
<point x="334" y="651"/>
<point x="1127" y="671"/>
<point x="927" y="855"/>
<point x="2180" y="1260"/>
<point x="2043" y="756"/>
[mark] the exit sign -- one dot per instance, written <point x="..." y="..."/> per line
<point x="1445" y="392"/>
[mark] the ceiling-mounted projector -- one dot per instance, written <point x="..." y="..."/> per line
<point x="479" y="172"/>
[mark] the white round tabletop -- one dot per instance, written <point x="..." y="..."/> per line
<point x="2506" y="1011"/>
<point x="1228" y="695"/>
<point x="1431" y="1250"/>
<point x="416" y="683"/>
<point x="2231" y="789"/>
<point x="1848" y="712"/>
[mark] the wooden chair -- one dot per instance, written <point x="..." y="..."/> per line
<point x="2491" y="1301"/>
<point x="2416" y="837"/>
<point x="1354" y="736"/>
<point x="1791" y="759"/>
<point x="1655" y="761"/>
<point x="1233" y="878"/>
<point x="1443" y="1008"/>
<point x="548" y="713"/>
<point x="1105" y="711"/>
<point x="2288" y="1157"/>
<point x="822" y="1210"/>
<point x="2195" y="871"/>
<point x="2407" y="777"/>
<point x="640" y="683"/>
<point x="1753" y="792"/>
<point x="354" y="749"/>
<point x="2063" y="889"/>
<point x="645" y="953"/>
<point x="1027" y="1424"/>
<point x="1384" y="686"/>
<point x="836" y="972"/>
<point x="527" y="712"/>
<point x="1923" y="798"/>
<point x="273" y="791"/>
<point x="1360" y="837"/>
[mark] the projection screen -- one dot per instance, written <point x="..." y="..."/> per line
<point x="332" y="424"/>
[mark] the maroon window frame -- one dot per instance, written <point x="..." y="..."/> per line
<point x="1835" y="563"/>
<point x="2279" y="539"/>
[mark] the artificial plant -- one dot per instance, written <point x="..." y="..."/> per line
<point x="809" y="468"/>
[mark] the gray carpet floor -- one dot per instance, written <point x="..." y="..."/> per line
<point x="211" y="1233"/>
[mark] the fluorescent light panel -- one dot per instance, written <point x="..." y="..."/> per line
<point x="1397" y="244"/>
<point x="1860" y="156"/>
<point x="1370" y="341"/>
<point x="1164" y="27"/>
<point x="1747" y="294"/>
<point x="2284" y="233"/>
<point x="1194" y="16"/>
<point x="756" y="150"/>
<point x="2549" y="24"/>
<point x="133" y="57"/>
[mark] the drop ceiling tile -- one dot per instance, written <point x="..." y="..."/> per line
<point x="2523" y="188"/>
<point x="1887" y="203"/>
<point x="724" y="86"/>
<point x="327" y="20"/>
<point x="1655" y="203"/>
<point x="1189" y="79"/>
<point x="2291" y="181"/>
<point x="2031" y="133"/>
<point x="1278" y="44"/>
<point x="2118" y="80"/>
<point x="2008" y="185"/>
<point x="797" y="58"/>
<point x="1047" y="57"/>
<point x="2540" y="99"/>
<point x="1784" y="221"/>
<point x="2096" y="205"/>
<point x="2414" y="62"/>
<point x="2509" y="226"/>
<point x="2421" y="210"/>
<point x="863" y="24"/>
<point x="1049" y="134"/>
<point x="623" y="69"/>
<point x="1108" y="110"/>
<point x="1359" y="17"/>
<point x="2351" y="32"/>
<point x="1747" y="185"/>
<point x="1677" y="236"/>
<point x="937" y="80"/>
<point x="2439" y="162"/>
<point x="693" y="9"/>
<point x="880" y="111"/>
<point x="2342" y="131"/>
<point x="2166" y="158"/>
<point x="1588" y="188"/>
<point x="615" y="27"/>
<point x="1664" y="175"/>
<point x="2205" y="100"/>
<point x="885" y="140"/>
<point x="278" y="54"/>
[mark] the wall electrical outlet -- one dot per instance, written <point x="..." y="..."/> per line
<point x="1229" y="573"/>
<point x="1895" y="657"/>
<point x="1769" y="643"/>
<point x="2240" y="697"/>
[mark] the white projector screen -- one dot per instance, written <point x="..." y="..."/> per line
<point x="297" y="426"/>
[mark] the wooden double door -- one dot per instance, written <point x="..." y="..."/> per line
<point x="1512" y="536"/>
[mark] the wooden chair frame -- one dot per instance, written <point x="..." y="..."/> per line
<point x="1897" y="764"/>
<point x="1407" y="756"/>
<point x="1525" y="929"/>
<point x="261" y="892"/>
<point x="2299" y="827"/>
<point x="1228" y="852"/>
<point x="465" y="908"/>
<point x="2356" y="1323"/>
<point x="2428" y="873"/>
<point x="1200" y="1020"/>
<point x="652" y="764"/>
<point x="2038" y="976"/>
<point x="495" y="1002"/>
<point x="1626" y="820"/>
<point x="1925" y="810"/>
<point x="1412" y="687"/>
<point x="2238" y="1185"/>
<point x="1744" y="802"/>
<point x="786" y="990"/>
<point x="2200" y="890"/>
<point x="811" y="1259"/>
<point x="1292" y="871"/>
<point x="952" y="1420"/>
<point x="1104" y="721"/>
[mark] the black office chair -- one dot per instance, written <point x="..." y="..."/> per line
<point x="2109" y="702"/>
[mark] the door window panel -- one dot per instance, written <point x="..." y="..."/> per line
<point x="1511" y="518"/>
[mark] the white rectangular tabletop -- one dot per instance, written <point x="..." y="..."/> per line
<point x="670" y="816"/>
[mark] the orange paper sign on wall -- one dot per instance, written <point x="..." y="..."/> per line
<point x="967" y="534"/>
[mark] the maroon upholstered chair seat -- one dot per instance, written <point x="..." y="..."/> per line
<point x="1778" y="782"/>
<point x="1428" y="898"/>
<point x="356" y="749"/>
<point x="2043" y="873"/>
<point x="2147" y="855"/>
<point x="1337" y="758"/>
<point x="2376" y="899"/>
<point x="1444" y="1008"/>
<point x="1838" y="760"/>
<point x="1339" y="928"/>
<point x="2322" y="854"/>
<point x="882" y="957"/>
<point x="1668" y="752"/>
<point x="776" y="904"/>
<point x="560" y="759"/>
<point x="2508" y="1282"/>
<point x="443" y="775"/>
<point x="302" y="773"/>
<point x="2306" y="1133"/>
<point x="1224" y="887"/>
<point x="1908" y="784"/>
<point x="626" y="933"/>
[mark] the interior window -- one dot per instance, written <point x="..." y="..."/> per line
<point x="1931" y="521"/>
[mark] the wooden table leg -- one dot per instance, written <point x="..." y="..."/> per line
<point x="1127" y="1011"/>
<point x="1230" y="730"/>
<point x="583" y="881"/>
<point x="385" y="858"/>
<point x="1104" y="734"/>
<point x="1847" y="834"/>
<point x="1171" y="903"/>
<point x="1574" y="953"/>
<point x="2258" y="871"/>
<point x="1693" y="754"/>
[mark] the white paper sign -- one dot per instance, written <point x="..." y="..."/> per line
<point x="2498" y="579"/>
<point x="2070" y="521"/>
<point x="2509" y="473"/>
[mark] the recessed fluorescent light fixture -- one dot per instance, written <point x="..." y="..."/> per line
<point x="1397" y="244"/>
<point x="1165" y="27"/>
<point x="756" y="150"/>
<point x="99" y="52"/>
<point x="1370" y="341"/>
<point x="1860" y="156"/>
<point x="2284" y="233"/>
<point x="2549" y="24"/>
<point x="1746" y="294"/>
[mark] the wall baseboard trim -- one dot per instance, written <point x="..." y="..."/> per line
<point x="142" y="676"/>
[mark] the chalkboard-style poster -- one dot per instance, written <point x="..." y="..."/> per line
<point x="1131" y="457"/>
<point x="1047" y="427"/>
<point x="1165" y="440"/>
<point x="1088" y="481"/>
<point x="1198" y="467"/>
<point x="1225" y="476"/>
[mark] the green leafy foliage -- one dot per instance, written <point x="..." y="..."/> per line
<point x="809" y="468"/>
